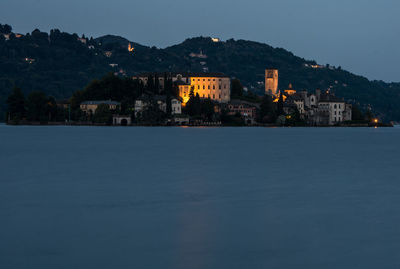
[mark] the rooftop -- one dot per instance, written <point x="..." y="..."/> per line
<point x="107" y="102"/>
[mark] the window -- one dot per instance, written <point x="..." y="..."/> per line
<point x="213" y="96"/>
<point x="208" y="96"/>
<point x="204" y="87"/>
<point x="220" y="96"/>
<point x="213" y="87"/>
<point x="219" y="87"/>
<point x="208" y="86"/>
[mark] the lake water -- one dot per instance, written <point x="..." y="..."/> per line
<point x="98" y="197"/>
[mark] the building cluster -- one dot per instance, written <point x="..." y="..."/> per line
<point x="215" y="86"/>
<point x="317" y="108"/>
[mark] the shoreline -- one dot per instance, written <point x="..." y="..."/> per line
<point x="371" y="125"/>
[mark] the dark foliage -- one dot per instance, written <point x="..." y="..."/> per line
<point x="59" y="64"/>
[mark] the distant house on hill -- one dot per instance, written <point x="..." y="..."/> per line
<point x="91" y="106"/>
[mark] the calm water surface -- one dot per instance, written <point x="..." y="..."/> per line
<point x="87" y="197"/>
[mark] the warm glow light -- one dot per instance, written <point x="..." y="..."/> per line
<point x="376" y="120"/>
<point x="130" y="48"/>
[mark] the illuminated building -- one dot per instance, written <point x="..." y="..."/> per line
<point x="215" y="86"/>
<point x="271" y="81"/>
<point x="290" y="90"/>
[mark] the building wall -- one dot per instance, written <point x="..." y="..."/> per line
<point x="334" y="110"/>
<point x="243" y="110"/>
<point x="92" y="107"/>
<point x="176" y="107"/>
<point x="216" y="88"/>
<point x="348" y="113"/>
<point x="271" y="81"/>
<point x="300" y="106"/>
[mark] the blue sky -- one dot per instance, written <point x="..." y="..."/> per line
<point x="362" y="36"/>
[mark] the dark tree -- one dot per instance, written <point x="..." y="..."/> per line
<point x="16" y="105"/>
<point x="280" y="105"/>
<point x="37" y="106"/>
<point x="237" y="88"/>
<point x="103" y="115"/>
<point x="356" y="113"/>
<point x="267" y="112"/>
<point x="157" y="83"/>
<point x="150" y="83"/>
<point x="369" y="115"/>
<point x="5" y="29"/>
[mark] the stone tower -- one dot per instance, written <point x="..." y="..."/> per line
<point x="271" y="81"/>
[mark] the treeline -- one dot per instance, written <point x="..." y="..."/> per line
<point x="36" y="107"/>
<point x="5" y="29"/>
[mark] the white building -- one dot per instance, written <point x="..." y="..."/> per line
<point x="144" y="101"/>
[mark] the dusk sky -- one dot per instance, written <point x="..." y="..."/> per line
<point x="362" y="36"/>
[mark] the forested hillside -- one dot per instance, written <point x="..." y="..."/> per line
<point x="60" y="63"/>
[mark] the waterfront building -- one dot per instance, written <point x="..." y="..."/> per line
<point x="122" y="120"/>
<point x="247" y="111"/>
<point x="143" y="102"/>
<point x="91" y="106"/>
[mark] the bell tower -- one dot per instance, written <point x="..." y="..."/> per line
<point x="271" y="81"/>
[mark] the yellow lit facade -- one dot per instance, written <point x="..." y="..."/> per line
<point x="271" y="81"/>
<point x="215" y="88"/>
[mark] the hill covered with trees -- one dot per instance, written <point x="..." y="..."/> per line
<point x="59" y="63"/>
